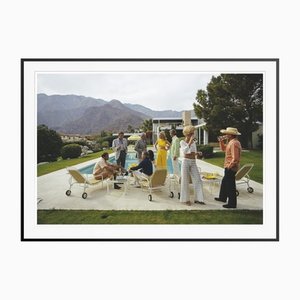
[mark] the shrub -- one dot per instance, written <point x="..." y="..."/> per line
<point x="49" y="144"/>
<point x="70" y="151"/>
<point x="95" y="147"/>
<point x="105" y="144"/>
<point x="207" y="150"/>
<point x="215" y="145"/>
<point x="108" y="139"/>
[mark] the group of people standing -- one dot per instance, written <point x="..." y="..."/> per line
<point x="185" y="149"/>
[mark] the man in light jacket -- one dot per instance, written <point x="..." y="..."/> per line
<point x="140" y="146"/>
<point x="119" y="145"/>
<point x="174" y="152"/>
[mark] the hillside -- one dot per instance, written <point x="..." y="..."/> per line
<point x="106" y="117"/>
<point x="87" y="115"/>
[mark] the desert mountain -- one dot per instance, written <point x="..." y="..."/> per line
<point x="86" y="115"/>
<point x="105" y="117"/>
<point x="153" y="113"/>
<point x="56" y="110"/>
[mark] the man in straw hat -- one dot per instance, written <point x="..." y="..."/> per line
<point x="231" y="165"/>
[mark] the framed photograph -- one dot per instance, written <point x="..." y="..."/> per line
<point x="141" y="149"/>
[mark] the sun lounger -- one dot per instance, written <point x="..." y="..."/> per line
<point x="77" y="178"/>
<point x="242" y="177"/>
<point x="155" y="181"/>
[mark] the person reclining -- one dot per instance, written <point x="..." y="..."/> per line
<point x="143" y="169"/>
<point x="104" y="169"/>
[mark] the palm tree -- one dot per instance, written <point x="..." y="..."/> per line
<point x="130" y="129"/>
<point x="147" y="128"/>
<point x="147" y="125"/>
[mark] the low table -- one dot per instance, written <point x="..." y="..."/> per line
<point x="119" y="180"/>
<point x="212" y="179"/>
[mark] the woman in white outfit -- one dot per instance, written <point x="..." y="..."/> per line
<point x="189" y="168"/>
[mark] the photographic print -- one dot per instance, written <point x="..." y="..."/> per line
<point x="149" y="149"/>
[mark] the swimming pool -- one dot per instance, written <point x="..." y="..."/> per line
<point x="130" y="159"/>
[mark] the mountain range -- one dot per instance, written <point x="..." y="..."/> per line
<point x="86" y="115"/>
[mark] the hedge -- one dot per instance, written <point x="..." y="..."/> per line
<point x="207" y="150"/>
<point x="70" y="151"/>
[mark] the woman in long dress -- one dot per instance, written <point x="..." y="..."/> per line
<point x="161" y="145"/>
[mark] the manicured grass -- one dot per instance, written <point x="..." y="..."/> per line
<point x="149" y="217"/>
<point x="252" y="156"/>
<point x="63" y="163"/>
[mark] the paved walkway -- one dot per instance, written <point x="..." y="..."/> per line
<point x="51" y="190"/>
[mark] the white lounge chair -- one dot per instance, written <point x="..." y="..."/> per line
<point x="242" y="177"/>
<point x="77" y="178"/>
<point x="155" y="181"/>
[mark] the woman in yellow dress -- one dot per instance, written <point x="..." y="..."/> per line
<point x="161" y="145"/>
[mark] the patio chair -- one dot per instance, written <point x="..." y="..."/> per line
<point x="155" y="181"/>
<point x="77" y="178"/>
<point x="242" y="177"/>
<point x="174" y="185"/>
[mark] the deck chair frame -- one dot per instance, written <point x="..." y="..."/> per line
<point x="153" y="183"/>
<point x="242" y="177"/>
<point x="82" y="180"/>
<point x="174" y="185"/>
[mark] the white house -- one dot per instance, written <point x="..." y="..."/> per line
<point x="161" y="124"/>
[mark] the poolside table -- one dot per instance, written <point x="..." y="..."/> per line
<point x="119" y="180"/>
<point x="212" y="179"/>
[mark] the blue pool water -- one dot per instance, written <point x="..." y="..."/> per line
<point x="130" y="159"/>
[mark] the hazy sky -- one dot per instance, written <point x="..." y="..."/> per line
<point x="158" y="91"/>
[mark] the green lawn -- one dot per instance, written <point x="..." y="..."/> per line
<point x="253" y="156"/>
<point x="63" y="163"/>
<point x="149" y="217"/>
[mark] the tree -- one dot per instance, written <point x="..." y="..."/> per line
<point x="105" y="136"/>
<point x="232" y="100"/>
<point x="49" y="144"/>
<point x="130" y="128"/>
<point x="147" y="125"/>
<point x="147" y="128"/>
<point x="104" y="133"/>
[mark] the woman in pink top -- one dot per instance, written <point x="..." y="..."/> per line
<point x="231" y="165"/>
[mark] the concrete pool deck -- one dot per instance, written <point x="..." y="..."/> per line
<point x="51" y="190"/>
